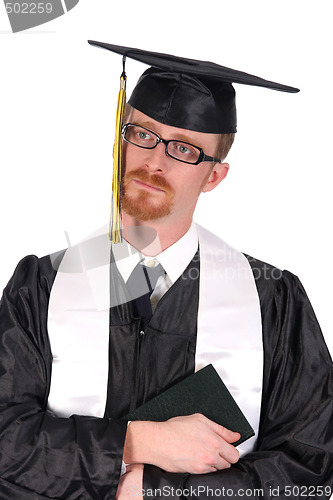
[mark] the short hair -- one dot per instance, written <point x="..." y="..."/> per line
<point x="224" y="145"/>
<point x="225" y="141"/>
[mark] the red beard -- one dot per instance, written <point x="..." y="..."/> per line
<point x="143" y="204"/>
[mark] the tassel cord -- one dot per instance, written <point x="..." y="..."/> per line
<point x="115" y="226"/>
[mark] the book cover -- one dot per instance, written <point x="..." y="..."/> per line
<point x="202" y="392"/>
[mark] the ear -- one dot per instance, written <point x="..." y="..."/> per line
<point x="216" y="176"/>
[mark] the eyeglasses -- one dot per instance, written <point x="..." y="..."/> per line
<point x="178" y="150"/>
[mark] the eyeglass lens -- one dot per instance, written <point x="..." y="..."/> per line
<point x="144" y="138"/>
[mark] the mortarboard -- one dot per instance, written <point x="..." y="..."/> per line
<point x="188" y="93"/>
<point x="180" y="92"/>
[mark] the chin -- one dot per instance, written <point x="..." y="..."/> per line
<point x="143" y="210"/>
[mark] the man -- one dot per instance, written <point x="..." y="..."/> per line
<point x="67" y="385"/>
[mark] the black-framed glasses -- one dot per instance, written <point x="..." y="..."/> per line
<point x="178" y="150"/>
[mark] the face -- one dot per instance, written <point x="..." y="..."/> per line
<point x="155" y="186"/>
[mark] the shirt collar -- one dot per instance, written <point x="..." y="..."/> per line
<point x="174" y="259"/>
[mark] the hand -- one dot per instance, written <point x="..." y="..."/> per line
<point x="196" y="445"/>
<point x="130" y="484"/>
<point x="190" y="443"/>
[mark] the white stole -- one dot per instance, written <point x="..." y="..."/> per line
<point x="229" y="327"/>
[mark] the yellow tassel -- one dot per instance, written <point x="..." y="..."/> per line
<point x="115" y="234"/>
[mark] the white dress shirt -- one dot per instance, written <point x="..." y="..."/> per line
<point x="174" y="261"/>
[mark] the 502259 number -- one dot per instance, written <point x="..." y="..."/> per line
<point x="28" y="8"/>
<point x="307" y="491"/>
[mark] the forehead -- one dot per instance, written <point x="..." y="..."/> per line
<point x="205" y="141"/>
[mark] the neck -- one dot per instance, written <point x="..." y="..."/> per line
<point x="152" y="237"/>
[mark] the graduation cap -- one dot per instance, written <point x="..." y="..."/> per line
<point x="179" y="92"/>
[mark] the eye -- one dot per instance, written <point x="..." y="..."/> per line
<point x="140" y="136"/>
<point x="144" y="136"/>
<point x="184" y="149"/>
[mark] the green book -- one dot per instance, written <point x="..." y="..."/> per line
<point x="202" y="392"/>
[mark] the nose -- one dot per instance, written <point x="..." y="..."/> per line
<point x="156" y="159"/>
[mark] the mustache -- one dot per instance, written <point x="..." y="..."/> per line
<point x="152" y="179"/>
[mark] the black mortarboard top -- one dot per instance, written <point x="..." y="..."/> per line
<point x="188" y="93"/>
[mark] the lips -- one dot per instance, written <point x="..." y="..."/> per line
<point x="145" y="185"/>
<point x="148" y="183"/>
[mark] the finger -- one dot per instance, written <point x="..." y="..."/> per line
<point x="227" y="435"/>
<point x="223" y="432"/>
<point x="229" y="453"/>
<point x="221" y="464"/>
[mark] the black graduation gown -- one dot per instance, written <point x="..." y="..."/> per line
<point x="44" y="456"/>
<point x="41" y="455"/>
<point x="294" y="453"/>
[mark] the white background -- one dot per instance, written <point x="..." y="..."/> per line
<point x="57" y="103"/>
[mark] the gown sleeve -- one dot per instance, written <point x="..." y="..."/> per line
<point x="42" y="455"/>
<point x="294" y="453"/>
